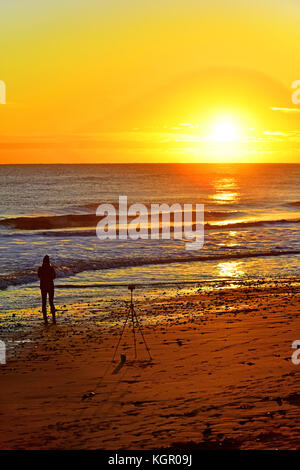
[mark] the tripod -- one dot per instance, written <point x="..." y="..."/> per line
<point x="131" y="315"/>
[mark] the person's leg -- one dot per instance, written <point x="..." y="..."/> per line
<point x="44" y="304"/>
<point x="51" y="302"/>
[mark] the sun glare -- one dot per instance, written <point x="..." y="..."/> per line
<point x="224" y="131"/>
<point x="224" y="138"/>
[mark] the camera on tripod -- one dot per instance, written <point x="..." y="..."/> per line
<point x="131" y="287"/>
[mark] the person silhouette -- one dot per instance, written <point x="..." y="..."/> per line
<point x="46" y="273"/>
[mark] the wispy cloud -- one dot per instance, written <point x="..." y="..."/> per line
<point x="286" y="110"/>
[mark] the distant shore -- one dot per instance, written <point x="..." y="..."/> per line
<point x="221" y="375"/>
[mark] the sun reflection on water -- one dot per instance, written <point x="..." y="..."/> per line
<point x="225" y="191"/>
<point x="230" y="269"/>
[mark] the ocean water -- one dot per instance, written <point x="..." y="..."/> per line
<point x="252" y="220"/>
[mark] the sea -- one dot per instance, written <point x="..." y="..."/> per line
<point x="251" y="230"/>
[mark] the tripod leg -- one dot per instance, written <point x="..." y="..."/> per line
<point x="142" y="334"/>
<point x="133" y="330"/>
<point x="121" y="335"/>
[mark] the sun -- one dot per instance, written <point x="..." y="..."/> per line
<point x="225" y="137"/>
<point x="224" y="131"/>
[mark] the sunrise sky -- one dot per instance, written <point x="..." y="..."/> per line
<point x="92" y="81"/>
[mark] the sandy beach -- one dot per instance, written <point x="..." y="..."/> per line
<point x="221" y="375"/>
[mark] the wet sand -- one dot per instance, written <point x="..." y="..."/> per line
<point x="221" y="375"/>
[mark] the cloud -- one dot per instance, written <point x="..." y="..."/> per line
<point x="286" y="110"/>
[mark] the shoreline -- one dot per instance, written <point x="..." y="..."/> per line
<point x="222" y="375"/>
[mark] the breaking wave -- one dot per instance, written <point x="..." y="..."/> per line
<point x="294" y="204"/>
<point x="72" y="221"/>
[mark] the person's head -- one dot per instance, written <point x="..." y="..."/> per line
<point x="46" y="261"/>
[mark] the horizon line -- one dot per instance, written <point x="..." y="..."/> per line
<point x="153" y="163"/>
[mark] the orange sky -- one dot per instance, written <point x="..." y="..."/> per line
<point x="161" y="81"/>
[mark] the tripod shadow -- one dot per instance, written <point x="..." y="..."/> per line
<point x="120" y="365"/>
